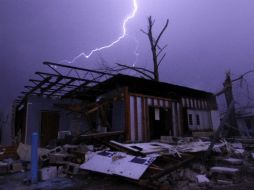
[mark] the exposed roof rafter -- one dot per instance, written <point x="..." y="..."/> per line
<point x="64" y="82"/>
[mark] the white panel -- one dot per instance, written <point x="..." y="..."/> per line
<point x="118" y="163"/>
<point x="206" y="105"/>
<point x="166" y="104"/>
<point x="149" y="101"/>
<point x="139" y="115"/>
<point x="203" y="120"/>
<point x="157" y="114"/>
<point x="155" y="102"/>
<point x="145" y="148"/>
<point x="161" y="103"/>
<point x="215" y="116"/>
<point x="204" y="117"/>
<point x="206" y="120"/>
<point x="132" y="118"/>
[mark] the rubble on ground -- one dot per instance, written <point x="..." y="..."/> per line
<point x="169" y="163"/>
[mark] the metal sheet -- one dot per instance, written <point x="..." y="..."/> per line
<point x="118" y="163"/>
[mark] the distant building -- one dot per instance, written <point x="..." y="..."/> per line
<point x="102" y="102"/>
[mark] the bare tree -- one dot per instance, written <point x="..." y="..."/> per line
<point x="154" y="43"/>
<point x="156" y="53"/>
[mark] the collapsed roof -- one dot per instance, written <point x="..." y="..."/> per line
<point x="73" y="82"/>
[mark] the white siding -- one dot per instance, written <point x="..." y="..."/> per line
<point x="132" y="118"/>
<point x="215" y="117"/>
<point x="139" y="115"/>
<point x="201" y="119"/>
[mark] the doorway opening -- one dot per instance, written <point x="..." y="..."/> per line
<point x="49" y="127"/>
<point x="160" y="122"/>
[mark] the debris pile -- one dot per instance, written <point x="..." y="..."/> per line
<point x="169" y="163"/>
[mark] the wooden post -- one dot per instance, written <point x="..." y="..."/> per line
<point x="127" y="114"/>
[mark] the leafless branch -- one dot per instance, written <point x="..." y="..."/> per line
<point x="164" y="28"/>
<point x="140" y="70"/>
<point x="143" y="32"/>
<point x="161" y="59"/>
<point x="161" y="49"/>
<point x="241" y="76"/>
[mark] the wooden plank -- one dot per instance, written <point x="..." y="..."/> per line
<point x="8" y="152"/>
<point x="158" y="102"/>
<point x="35" y="81"/>
<point x="61" y="87"/>
<point x="135" y="118"/>
<point x="77" y="68"/>
<point x="147" y="133"/>
<point x="66" y="77"/>
<point x="119" y="147"/>
<point x="101" y="135"/>
<point x="143" y="118"/>
<point x="127" y="113"/>
<point x="152" y="99"/>
<point x="172" y="168"/>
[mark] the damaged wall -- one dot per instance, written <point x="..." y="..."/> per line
<point x="169" y="116"/>
<point x="37" y="105"/>
<point x="202" y="113"/>
<point x="140" y="112"/>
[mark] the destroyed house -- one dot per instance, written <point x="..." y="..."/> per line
<point x="99" y="102"/>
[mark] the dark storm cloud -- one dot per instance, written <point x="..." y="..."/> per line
<point x="205" y="38"/>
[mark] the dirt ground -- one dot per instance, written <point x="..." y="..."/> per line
<point x="92" y="181"/>
<point x="79" y="182"/>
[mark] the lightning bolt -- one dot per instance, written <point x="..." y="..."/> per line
<point x="136" y="52"/>
<point x="124" y="33"/>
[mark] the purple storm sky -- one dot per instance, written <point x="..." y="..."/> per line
<point x="205" y="38"/>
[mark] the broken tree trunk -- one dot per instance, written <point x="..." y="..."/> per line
<point x="220" y="129"/>
<point x="230" y="98"/>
